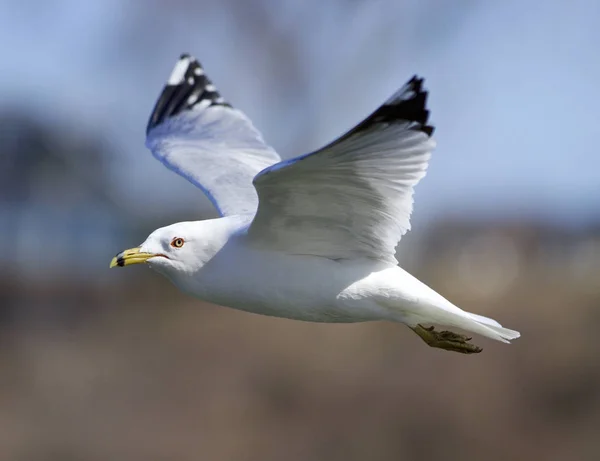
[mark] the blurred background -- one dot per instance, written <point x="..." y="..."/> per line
<point x="98" y="364"/>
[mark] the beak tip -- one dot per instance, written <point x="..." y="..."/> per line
<point x="118" y="260"/>
<point x="127" y="257"/>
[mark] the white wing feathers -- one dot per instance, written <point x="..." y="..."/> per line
<point x="194" y="132"/>
<point x="353" y="198"/>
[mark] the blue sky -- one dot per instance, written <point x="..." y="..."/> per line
<point x="514" y="89"/>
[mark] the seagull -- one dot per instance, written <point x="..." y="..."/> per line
<point x="312" y="238"/>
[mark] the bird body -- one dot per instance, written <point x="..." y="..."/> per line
<point x="232" y="274"/>
<point x="228" y="269"/>
<point x="311" y="238"/>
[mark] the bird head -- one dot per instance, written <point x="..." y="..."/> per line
<point x="178" y="248"/>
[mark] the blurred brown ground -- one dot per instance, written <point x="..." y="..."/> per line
<point x="134" y="370"/>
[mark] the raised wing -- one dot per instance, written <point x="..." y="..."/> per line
<point x="194" y="132"/>
<point x="352" y="198"/>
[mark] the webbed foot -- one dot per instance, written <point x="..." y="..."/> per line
<point x="446" y="340"/>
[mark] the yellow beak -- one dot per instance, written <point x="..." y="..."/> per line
<point x="128" y="257"/>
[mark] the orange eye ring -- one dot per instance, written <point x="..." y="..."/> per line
<point x="177" y="242"/>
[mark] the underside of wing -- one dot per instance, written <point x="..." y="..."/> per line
<point x="352" y="198"/>
<point x="194" y="132"/>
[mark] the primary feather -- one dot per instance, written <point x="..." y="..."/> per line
<point x="194" y="132"/>
<point x="352" y="198"/>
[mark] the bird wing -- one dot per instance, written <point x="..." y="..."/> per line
<point x="352" y="198"/>
<point x="194" y="132"/>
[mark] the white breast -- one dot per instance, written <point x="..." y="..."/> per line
<point x="276" y="284"/>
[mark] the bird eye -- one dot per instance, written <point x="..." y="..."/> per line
<point x="177" y="242"/>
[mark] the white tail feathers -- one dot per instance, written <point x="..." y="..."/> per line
<point x="485" y="320"/>
<point x="491" y="328"/>
<point x="430" y="308"/>
<point x="452" y="316"/>
<point x="465" y="320"/>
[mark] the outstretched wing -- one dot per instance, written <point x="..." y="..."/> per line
<point x="194" y="132"/>
<point x="352" y="198"/>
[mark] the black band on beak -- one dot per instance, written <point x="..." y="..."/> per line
<point x="120" y="260"/>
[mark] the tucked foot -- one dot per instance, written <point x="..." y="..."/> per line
<point x="446" y="340"/>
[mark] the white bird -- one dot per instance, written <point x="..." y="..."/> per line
<point x="312" y="238"/>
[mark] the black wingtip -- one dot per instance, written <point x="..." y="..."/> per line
<point x="409" y="104"/>
<point x="187" y="88"/>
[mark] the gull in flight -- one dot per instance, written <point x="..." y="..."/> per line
<point x="312" y="238"/>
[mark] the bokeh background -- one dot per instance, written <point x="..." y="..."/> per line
<point x="98" y="364"/>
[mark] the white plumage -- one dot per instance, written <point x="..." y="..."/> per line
<point x="350" y="199"/>
<point x="312" y="238"/>
<point x="196" y="134"/>
<point x="218" y="150"/>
